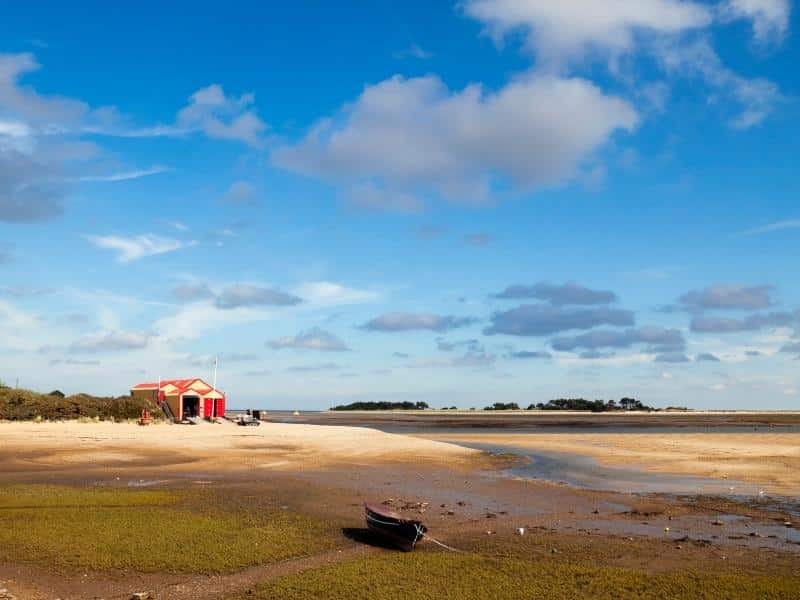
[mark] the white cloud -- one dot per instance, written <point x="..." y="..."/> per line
<point x="313" y="339"/>
<point x="770" y="17"/>
<point x="570" y="32"/>
<point x="140" y="246"/>
<point x="221" y="116"/>
<point x="414" y="51"/>
<point x="570" y="29"/>
<point x="777" y="226"/>
<point x="195" y="320"/>
<point x="755" y="97"/>
<point x="111" y="341"/>
<point x="123" y="175"/>
<point x="415" y="133"/>
<point x="327" y="293"/>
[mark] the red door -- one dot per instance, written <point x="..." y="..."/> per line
<point x="208" y="404"/>
<point x="219" y="409"/>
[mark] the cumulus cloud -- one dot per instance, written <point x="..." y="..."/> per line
<point x="192" y="291"/>
<point x="403" y="321"/>
<point x="218" y="115"/>
<point x="770" y="18"/>
<point x="567" y="33"/>
<point x="706" y="357"/>
<point x="111" y="341"/>
<point x="728" y="297"/>
<point x="755" y="322"/>
<point x="558" y="32"/>
<point x="416" y="134"/>
<point x="312" y="339"/>
<point x="134" y="248"/>
<point x="658" y="338"/>
<point x="29" y="190"/>
<point x="247" y="295"/>
<point x="558" y="295"/>
<point x="542" y="319"/>
<point x="39" y="144"/>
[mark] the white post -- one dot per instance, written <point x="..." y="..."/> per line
<point x="216" y="360"/>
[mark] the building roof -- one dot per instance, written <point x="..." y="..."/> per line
<point x="182" y="385"/>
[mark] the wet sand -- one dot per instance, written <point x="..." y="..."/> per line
<point x="769" y="461"/>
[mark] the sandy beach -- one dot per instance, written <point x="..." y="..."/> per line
<point x="768" y="459"/>
<point x="219" y="445"/>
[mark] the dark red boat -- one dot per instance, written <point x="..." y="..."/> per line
<point x="394" y="527"/>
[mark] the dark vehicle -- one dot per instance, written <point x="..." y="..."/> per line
<point x="248" y="421"/>
<point x="394" y="527"/>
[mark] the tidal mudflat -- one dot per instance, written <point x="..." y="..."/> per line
<point x="218" y="511"/>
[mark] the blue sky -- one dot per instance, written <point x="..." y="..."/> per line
<point x="461" y="203"/>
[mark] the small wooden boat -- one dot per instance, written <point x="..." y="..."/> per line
<point x="394" y="527"/>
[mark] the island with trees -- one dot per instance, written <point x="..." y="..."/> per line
<point x="382" y="406"/>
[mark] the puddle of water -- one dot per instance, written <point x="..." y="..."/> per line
<point x="138" y="483"/>
<point x="585" y="472"/>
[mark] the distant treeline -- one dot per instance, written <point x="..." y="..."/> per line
<point x="382" y="406"/>
<point x="577" y="404"/>
<point x="25" y="405"/>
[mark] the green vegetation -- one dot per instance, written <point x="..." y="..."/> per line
<point x="147" y="530"/>
<point x="503" y="406"/>
<point x="382" y="406"/>
<point x="22" y="405"/>
<point x="434" y="574"/>
<point x="591" y="405"/>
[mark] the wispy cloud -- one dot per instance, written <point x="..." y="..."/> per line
<point x="123" y="175"/>
<point x="776" y="226"/>
<point x="134" y="248"/>
<point x="413" y="51"/>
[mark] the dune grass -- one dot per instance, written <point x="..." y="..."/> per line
<point x="437" y="575"/>
<point x="148" y="531"/>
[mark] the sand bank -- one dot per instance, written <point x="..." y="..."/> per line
<point x="270" y="446"/>
<point x="768" y="459"/>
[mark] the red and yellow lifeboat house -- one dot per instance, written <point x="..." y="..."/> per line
<point x="183" y="398"/>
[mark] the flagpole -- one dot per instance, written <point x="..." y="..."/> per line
<point x="216" y="360"/>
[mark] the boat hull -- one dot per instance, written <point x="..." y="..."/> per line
<point x="399" y="532"/>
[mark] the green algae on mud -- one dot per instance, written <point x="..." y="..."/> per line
<point x="437" y="575"/>
<point x="167" y="531"/>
